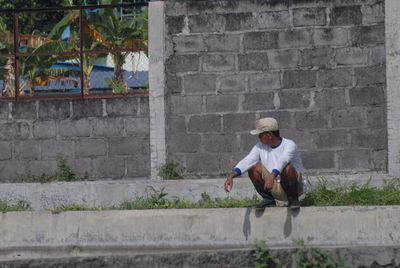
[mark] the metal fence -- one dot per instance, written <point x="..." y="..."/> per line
<point x="76" y="52"/>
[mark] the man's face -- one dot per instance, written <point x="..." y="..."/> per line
<point x="265" y="137"/>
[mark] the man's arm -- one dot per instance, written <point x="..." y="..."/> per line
<point x="229" y="181"/>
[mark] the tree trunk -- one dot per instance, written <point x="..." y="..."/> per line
<point x="119" y="74"/>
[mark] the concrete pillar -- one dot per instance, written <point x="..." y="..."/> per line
<point x="156" y="86"/>
<point x="392" y="26"/>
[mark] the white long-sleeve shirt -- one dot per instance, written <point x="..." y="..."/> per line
<point x="274" y="159"/>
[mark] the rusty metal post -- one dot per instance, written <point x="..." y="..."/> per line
<point x="16" y="50"/>
<point x="81" y="49"/>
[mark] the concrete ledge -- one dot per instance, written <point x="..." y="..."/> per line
<point x="108" y="193"/>
<point x="77" y="233"/>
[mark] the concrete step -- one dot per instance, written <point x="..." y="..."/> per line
<point x="43" y="234"/>
<point x="109" y="193"/>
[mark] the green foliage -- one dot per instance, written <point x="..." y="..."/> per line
<point x="75" y="207"/>
<point x="306" y="257"/>
<point x="117" y="87"/>
<point x="323" y="194"/>
<point x="20" y="206"/>
<point x="63" y="173"/>
<point x="171" y="171"/>
<point x="262" y="256"/>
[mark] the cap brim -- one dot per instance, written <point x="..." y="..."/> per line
<point x="256" y="132"/>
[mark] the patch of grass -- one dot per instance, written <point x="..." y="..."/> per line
<point x="20" y="206"/>
<point x="64" y="173"/>
<point x="323" y="194"/>
<point x="75" y="207"/>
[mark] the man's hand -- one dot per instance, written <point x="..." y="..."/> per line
<point x="229" y="181"/>
<point x="269" y="182"/>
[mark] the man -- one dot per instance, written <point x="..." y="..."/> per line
<point x="274" y="167"/>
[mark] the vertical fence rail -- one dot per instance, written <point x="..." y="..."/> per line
<point x="16" y="58"/>
<point x="81" y="52"/>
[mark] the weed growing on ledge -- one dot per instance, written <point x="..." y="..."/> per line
<point x="21" y="205"/>
<point x="171" y="171"/>
<point x="323" y="194"/>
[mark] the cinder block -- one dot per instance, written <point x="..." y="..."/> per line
<point x="183" y="143"/>
<point x="260" y="40"/>
<point x="182" y="63"/>
<point x="139" y="144"/>
<point x="295" y="38"/>
<point x="299" y="79"/>
<point x="144" y="106"/>
<point x="188" y="43"/>
<point x="90" y="147"/>
<point x="317" y="57"/>
<point x="239" y="122"/>
<point x="51" y="148"/>
<point x="259" y="101"/>
<point x="253" y="61"/>
<point x="369" y="138"/>
<point x="12" y="170"/>
<point x="378" y="55"/>
<point x="379" y="160"/>
<point x="318" y="160"/>
<point x="44" y="129"/>
<point x="222" y="42"/>
<point x="205" y="123"/>
<point x="273" y="20"/>
<point x="352" y="56"/>
<point x="3" y="110"/>
<point x="220" y="143"/>
<point x="14" y="131"/>
<point x="39" y="167"/>
<point x="137" y="125"/>
<point x="219" y="63"/>
<point x="330" y="98"/>
<point x="294" y="99"/>
<point x="376" y="117"/>
<point x="176" y="124"/>
<point x="206" y="23"/>
<point x="74" y="128"/>
<point x="109" y="168"/>
<point x="222" y="103"/>
<point x="368" y="35"/>
<point x="309" y="17"/>
<point x="346" y="15"/>
<point x="138" y="166"/>
<point x="331" y="139"/>
<point x="301" y="138"/>
<point x="232" y="83"/>
<point x="175" y="24"/>
<point x="108" y="127"/>
<point x="373" y="13"/>
<point x="370" y="75"/>
<point x="247" y="142"/>
<point x="311" y="120"/>
<point x="54" y="109"/>
<point x="350" y="117"/>
<point x="24" y="110"/>
<point x="283" y="59"/>
<point x="5" y="150"/>
<point x="200" y="83"/>
<point x="87" y="108"/>
<point x="285" y="119"/>
<point x="330" y="37"/>
<point x="265" y="81"/>
<point x="173" y="83"/>
<point x="202" y="163"/>
<point x="367" y="96"/>
<point x="355" y="159"/>
<point x="186" y="104"/>
<point x="335" y="78"/>
<point x="81" y="166"/>
<point x="239" y="21"/>
<point x="122" y="106"/>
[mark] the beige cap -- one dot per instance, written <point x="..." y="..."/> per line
<point x="265" y="124"/>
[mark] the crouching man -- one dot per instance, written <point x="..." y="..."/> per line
<point x="274" y="167"/>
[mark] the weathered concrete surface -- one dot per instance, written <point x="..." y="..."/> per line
<point x="30" y="234"/>
<point x="109" y="193"/>
<point x="356" y="256"/>
<point x="392" y="26"/>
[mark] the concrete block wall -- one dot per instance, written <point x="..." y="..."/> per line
<point x="316" y="66"/>
<point x="105" y="138"/>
